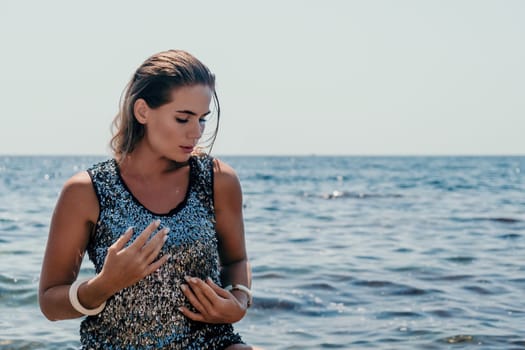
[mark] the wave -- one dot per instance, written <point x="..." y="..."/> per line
<point x="395" y="289"/>
<point x="352" y="195"/>
<point x="497" y="219"/>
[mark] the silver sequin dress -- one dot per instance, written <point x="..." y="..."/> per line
<point x="145" y="315"/>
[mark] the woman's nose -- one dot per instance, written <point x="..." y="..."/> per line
<point x="196" y="129"/>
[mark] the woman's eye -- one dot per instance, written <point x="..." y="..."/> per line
<point x="203" y="120"/>
<point x="180" y="120"/>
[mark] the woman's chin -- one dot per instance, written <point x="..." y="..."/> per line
<point x="180" y="159"/>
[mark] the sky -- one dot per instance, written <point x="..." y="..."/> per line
<point x="294" y="77"/>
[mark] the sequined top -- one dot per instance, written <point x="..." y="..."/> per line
<point x="145" y="315"/>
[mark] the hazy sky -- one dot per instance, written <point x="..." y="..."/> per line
<point x="294" y="77"/>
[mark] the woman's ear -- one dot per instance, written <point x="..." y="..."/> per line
<point x="140" y="109"/>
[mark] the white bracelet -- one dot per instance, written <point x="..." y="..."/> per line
<point x="73" y="299"/>
<point x="242" y="289"/>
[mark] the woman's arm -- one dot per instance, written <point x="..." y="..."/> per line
<point x="214" y="304"/>
<point x="230" y="228"/>
<point x="73" y="220"/>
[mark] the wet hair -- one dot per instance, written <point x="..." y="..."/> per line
<point x="154" y="82"/>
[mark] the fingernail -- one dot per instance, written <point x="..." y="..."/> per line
<point x="130" y="229"/>
<point x="165" y="238"/>
<point x="187" y="278"/>
<point x="183" y="287"/>
<point x="166" y="229"/>
<point x="180" y="309"/>
<point x="157" y="222"/>
<point x="209" y="279"/>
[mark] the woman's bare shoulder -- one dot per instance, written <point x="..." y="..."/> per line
<point x="78" y="193"/>
<point x="226" y="187"/>
<point x="79" y="184"/>
<point x="224" y="173"/>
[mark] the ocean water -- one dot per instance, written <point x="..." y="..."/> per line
<point x="347" y="252"/>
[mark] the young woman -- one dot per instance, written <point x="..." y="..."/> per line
<point x="161" y="222"/>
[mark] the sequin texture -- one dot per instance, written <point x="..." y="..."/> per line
<point x="145" y="315"/>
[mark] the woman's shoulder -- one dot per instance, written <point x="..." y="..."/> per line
<point x="78" y="181"/>
<point x="225" y="175"/>
<point x="80" y="185"/>
<point x="223" y="169"/>
<point x="79" y="188"/>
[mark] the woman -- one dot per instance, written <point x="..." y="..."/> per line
<point x="162" y="223"/>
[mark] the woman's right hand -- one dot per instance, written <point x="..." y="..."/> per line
<point x="125" y="266"/>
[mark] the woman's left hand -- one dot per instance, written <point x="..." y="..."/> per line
<point x="213" y="304"/>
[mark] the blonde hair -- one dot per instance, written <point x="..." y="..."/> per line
<point x="154" y="81"/>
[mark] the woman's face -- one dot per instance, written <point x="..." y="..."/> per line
<point x="174" y="129"/>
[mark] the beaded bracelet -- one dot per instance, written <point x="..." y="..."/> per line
<point x="73" y="299"/>
<point x="242" y="289"/>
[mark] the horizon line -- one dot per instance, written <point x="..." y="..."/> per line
<point x="287" y="155"/>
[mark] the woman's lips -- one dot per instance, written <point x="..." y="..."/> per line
<point x="187" y="149"/>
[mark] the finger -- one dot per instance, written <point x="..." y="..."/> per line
<point x="122" y="240"/>
<point x="192" y="298"/>
<point x="152" y="249"/>
<point x="191" y="315"/>
<point x="155" y="266"/>
<point x="202" y="291"/>
<point x="145" y="235"/>
<point x="220" y="291"/>
<point x="209" y="291"/>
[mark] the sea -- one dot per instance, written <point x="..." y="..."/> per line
<point x="347" y="252"/>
